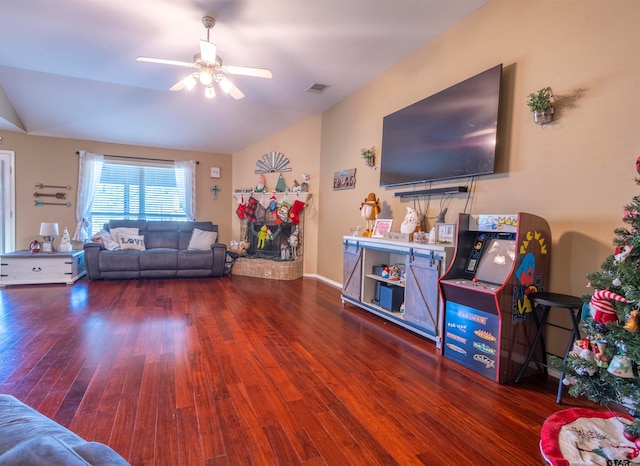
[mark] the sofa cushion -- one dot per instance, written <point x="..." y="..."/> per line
<point x="43" y="451"/>
<point x="159" y="259"/>
<point x="201" y="239"/>
<point x="162" y="234"/>
<point x="195" y="259"/>
<point x="26" y="436"/>
<point x="114" y="261"/>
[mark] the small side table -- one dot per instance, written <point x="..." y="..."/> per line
<point x="26" y="268"/>
<point x="545" y="302"/>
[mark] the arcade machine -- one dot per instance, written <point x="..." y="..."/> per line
<point x="499" y="260"/>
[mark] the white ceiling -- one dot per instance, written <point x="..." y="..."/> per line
<point x="69" y="69"/>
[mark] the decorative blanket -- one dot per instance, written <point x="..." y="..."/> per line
<point x="580" y="436"/>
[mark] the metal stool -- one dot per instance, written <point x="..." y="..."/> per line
<point x="544" y="302"/>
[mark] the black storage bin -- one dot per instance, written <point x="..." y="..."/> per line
<point x="389" y="297"/>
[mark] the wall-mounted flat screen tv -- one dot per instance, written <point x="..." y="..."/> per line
<point x="451" y="134"/>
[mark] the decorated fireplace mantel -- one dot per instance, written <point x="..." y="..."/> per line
<point x="266" y="195"/>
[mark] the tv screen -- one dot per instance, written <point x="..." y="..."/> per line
<point x="496" y="261"/>
<point x="451" y="134"/>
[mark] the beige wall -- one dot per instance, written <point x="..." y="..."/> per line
<point x="577" y="173"/>
<point x="301" y="145"/>
<point x="53" y="161"/>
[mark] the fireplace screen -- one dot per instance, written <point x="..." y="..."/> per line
<point x="268" y="243"/>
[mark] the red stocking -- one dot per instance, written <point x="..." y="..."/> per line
<point x="296" y="209"/>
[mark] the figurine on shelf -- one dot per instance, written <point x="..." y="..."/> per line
<point x="369" y="210"/>
<point x="65" y="242"/>
<point x="293" y="242"/>
<point x="410" y="222"/>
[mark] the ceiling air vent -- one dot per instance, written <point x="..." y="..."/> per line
<point x="318" y="88"/>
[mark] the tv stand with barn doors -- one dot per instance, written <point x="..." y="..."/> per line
<point x="411" y="301"/>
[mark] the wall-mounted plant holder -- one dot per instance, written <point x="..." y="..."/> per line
<point x="540" y="105"/>
<point x="369" y="156"/>
<point x="543" y="117"/>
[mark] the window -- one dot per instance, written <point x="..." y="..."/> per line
<point x="138" y="191"/>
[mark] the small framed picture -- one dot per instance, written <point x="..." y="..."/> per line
<point x="47" y="246"/>
<point x="445" y="234"/>
<point x="381" y="227"/>
<point x="215" y="172"/>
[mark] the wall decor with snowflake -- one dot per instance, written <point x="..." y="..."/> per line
<point x="272" y="163"/>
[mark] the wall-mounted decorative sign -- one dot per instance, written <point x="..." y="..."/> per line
<point x="273" y="163"/>
<point x="215" y="172"/>
<point x="344" y="179"/>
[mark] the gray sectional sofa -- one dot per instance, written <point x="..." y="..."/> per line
<point x="160" y="249"/>
<point x="30" y="438"/>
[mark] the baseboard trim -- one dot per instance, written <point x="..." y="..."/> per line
<point x="324" y="279"/>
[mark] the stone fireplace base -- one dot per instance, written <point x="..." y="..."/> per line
<point x="265" y="268"/>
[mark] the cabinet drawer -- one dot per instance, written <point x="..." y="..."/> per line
<point x="48" y="267"/>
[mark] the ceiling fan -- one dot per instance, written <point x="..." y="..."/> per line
<point x="209" y="68"/>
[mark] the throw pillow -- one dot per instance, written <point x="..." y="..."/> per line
<point x="116" y="232"/>
<point x="131" y="242"/>
<point x="105" y="238"/>
<point x="202" y="240"/>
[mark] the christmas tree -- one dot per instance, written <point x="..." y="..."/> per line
<point x="603" y="365"/>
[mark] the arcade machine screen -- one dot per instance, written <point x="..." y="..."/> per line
<point x="496" y="261"/>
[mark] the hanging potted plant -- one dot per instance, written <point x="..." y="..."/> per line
<point x="369" y="156"/>
<point x="540" y="104"/>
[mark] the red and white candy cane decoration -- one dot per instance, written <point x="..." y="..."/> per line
<point x="603" y="307"/>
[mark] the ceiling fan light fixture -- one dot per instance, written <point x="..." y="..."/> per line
<point x="206" y="77"/>
<point x="209" y="92"/>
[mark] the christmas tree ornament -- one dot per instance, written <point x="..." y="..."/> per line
<point x="622" y="252"/>
<point x="621" y="366"/>
<point x="602" y="306"/>
<point x="616" y="282"/>
<point x="633" y="321"/>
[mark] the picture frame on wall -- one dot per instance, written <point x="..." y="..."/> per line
<point x="344" y="179"/>
<point x="445" y="234"/>
<point x="381" y="227"/>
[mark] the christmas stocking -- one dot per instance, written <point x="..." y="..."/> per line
<point x="296" y="209"/>
<point x="250" y="209"/>
<point x="282" y="214"/>
<point x="240" y="209"/>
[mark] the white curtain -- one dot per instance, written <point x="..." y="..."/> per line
<point x="186" y="183"/>
<point x="88" y="177"/>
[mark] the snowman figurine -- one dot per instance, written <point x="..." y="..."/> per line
<point x="410" y="222"/>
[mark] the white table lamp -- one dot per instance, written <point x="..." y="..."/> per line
<point x="48" y="231"/>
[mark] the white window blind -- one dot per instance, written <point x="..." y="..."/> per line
<point x="137" y="191"/>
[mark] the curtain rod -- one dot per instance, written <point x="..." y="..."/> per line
<point x="137" y="158"/>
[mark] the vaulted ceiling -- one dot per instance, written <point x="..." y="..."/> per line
<point x="68" y="67"/>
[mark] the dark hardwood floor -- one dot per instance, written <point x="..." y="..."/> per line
<point x="240" y="371"/>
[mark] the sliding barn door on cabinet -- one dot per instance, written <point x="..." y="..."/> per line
<point x="422" y="306"/>
<point x="352" y="270"/>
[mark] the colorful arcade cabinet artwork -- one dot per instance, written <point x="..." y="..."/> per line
<point x="499" y="261"/>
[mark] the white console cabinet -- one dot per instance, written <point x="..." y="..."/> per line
<point x="417" y="290"/>
<point x="26" y="268"/>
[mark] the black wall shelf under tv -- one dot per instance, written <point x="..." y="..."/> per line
<point x="429" y="192"/>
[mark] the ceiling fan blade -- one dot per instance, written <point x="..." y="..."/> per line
<point x="207" y="51"/>
<point x="228" y="87"/>
<point x="188" y="83"/>
<point x="166" y="62"/>
<point x="245" y="71"/>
